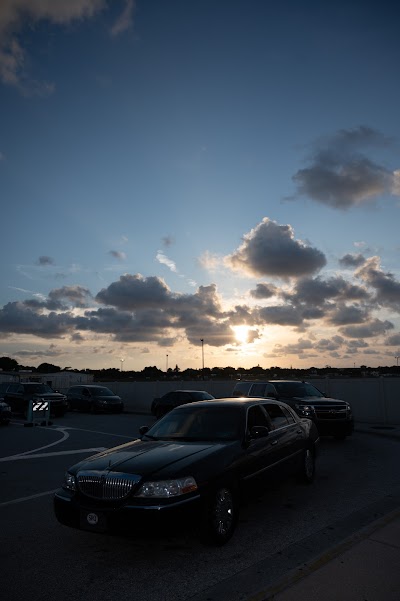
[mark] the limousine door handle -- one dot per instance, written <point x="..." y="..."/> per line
<point x="274" y="442"/>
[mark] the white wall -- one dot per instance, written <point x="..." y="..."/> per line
<point x="374" y="400"/>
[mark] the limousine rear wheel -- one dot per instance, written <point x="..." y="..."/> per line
<point x="308" y="466"/>
<point x="220" y="516"/>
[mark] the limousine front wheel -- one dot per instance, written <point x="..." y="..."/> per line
<point x="220" y="516"/>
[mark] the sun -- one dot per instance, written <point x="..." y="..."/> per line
<point x="241" y="333"/>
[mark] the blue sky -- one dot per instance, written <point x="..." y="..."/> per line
<point x="172" y="171"/>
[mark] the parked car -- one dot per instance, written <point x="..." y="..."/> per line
<point x="332" y="417"/>
<point x="195" y="462"/>
<point x="175" y="398"/>
<point x="93" y="398"/>
<point x="18" y="395"/>
<point x="5" y="413"/>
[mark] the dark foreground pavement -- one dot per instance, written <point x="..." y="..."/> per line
<point x="364" y="567"/>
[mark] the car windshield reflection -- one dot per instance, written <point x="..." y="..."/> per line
<point x="199" y="424"/>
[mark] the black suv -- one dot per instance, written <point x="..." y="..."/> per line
<point x="175" y="398"/>
<point x="5" y="409"/>
<point x="332" y="417"/>
<point x="18" y="395"/>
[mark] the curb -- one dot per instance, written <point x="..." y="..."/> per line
<point x="319" y="561"/>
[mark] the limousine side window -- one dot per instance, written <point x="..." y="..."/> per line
<point x="277" y="416"/>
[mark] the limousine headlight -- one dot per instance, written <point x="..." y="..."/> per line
<point x="164" y="489"/>
<point x="69" y="482"/>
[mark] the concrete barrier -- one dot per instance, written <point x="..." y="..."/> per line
<point x="374" y="400"/>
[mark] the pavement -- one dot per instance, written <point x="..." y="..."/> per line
<point x="363" y="567"/>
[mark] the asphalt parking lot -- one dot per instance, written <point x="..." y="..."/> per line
<point x="357" y="481"/>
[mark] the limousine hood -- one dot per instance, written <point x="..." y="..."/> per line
<point x="149" y="457"/>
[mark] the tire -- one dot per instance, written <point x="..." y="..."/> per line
<point x="220" y="516"/>
<point x="307" y="473"/>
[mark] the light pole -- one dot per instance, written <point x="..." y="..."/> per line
<point x="202" y="355"/>
<point x="122" y="364"/>
<point x="166" y="364"/>
<point x="397" y="359"/>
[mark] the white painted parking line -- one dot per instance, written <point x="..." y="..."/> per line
<point x="40" y="494"/>
<point x="33" y="455"/>
<point x="98" y="432"/>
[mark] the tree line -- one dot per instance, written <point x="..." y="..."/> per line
<point x="152" y="372"/>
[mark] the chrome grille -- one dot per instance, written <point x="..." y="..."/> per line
<point x="330" y="411"/>
<point x="106" y="487"/>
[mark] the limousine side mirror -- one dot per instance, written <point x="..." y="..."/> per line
<point x="143" y="430"/>
<point x="259" y="432"/>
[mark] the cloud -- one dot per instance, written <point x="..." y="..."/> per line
<point x="210" y="261"/>
<point x="164" y="260"/>
<point x="271" y="250"/>
<point x="393" y="340"/>
<point x="117" y="254"/>
<point x="317" y="291"/>
<point x="340" y="175"/>
<point x="168" y="241"/>
<point x="282" y="315"/>
<point x="367" y="330"/>
<point x="133" y="292"/>
<point x="386" y="286"/>
<point x="45" y="261"/>
<point x="344" y="314"/>
<point x="351" y="260"/>
<point x="78" y="296"/>
<point x="14" y="14"/>
<point x="19" y="318"/>
<point x="125" y="20"/>
<point x="263" y="291"/>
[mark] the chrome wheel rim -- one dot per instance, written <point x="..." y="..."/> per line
<point x="223" y="511"/>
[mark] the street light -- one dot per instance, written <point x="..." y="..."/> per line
<point x="122" y="364"/>
<point x="397" y="359"/>
<point x="167" y="364"/>
<point x="202" y="355"/>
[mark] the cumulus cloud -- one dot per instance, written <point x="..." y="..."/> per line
<point x="351" y="261"/>
<point x="345" y="314"/>
<point x="386" y="286"/>
<point x="133" y="292"/>
<point x="270" y="249"/>
<point x="340" y="174"/>
<point x="317" y="292"/>
<point x="78" y="296"/>
<point x="393" y="340"/>
<point x="373" y="328"/>
<point x="138" y="309"/>
<point x="263" y="291"/>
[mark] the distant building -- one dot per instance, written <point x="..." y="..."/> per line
<point x="60" y="380"/>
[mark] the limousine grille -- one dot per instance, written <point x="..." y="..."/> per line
<point x="107" y="487"/>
